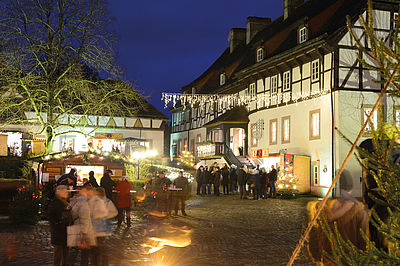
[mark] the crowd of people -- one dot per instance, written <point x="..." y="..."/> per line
<point x="80" y="222"/>
<point x="255" y="183"/>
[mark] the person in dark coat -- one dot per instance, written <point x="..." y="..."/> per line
<point x="203" y="180"/>
<point x="69" y="179"/>
<point x="108" y="184"/>
<point x="208" y="179"/>
<point x="272" y="176"/>
<point x="233" y="178"/>
<point x="263" y="183"/>
<point x="216" y="174"/>
<point x="242" y="180"/>
<point x="225" y="179"/>
<point x="92" y="180"/>
<point x="59" y="215"/>
<point x="180" y="196"/>
<point x="258" y="184"/>
<point x="198" y="180"/>
<point x="251" y="182"/>
<point x="160" y="187"/>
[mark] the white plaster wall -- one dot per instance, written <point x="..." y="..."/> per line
<point x="299" y="132"/>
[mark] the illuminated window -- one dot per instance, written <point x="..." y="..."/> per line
<point x="222" y="79"/>
<point x="260" y="54"/>
<point x="179" y="146"/>
<point x="315" y="123"/>
<point x="315" y="70"/>
<point x="286" y="81"/>
<point x="273" y="132"/>
<point x="185" y="144"/>
<point x="366" y="110"/>
<point x="286" y="129"/>
<point x="252" y="90"/>
<point x="302" y="34"/>
<point x="274" y="84"/>
<point x="253" y="137"/>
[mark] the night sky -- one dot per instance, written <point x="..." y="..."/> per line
<point x="164" y="45"/>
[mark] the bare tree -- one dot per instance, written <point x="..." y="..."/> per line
<point x="52" y="54"/>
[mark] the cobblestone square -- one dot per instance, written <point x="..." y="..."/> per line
<point x="222" y="231"/>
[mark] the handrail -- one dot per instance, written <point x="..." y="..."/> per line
<point x="231" y="157"/>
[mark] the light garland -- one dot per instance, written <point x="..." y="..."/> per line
<point x="232" y="100"/>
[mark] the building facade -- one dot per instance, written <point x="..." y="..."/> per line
<point x="303" y="80"/>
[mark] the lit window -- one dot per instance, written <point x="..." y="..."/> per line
<point x="397" y="117"/>
<point x="253" y="140"/>
<point x="286" y="81"/>
<point x="222" y="79"/>
<point x="274" y="84"/>
<point x="315" y="124"/>
<point x="316" y="174"/>
<point x="302" y="35"/>
<point x="260" y="54"/>
<point x="374" y="118"/>
<point x="273" y="133"/>
<point x="286" y="129"/>
<point x="315" y="70"/>
<point x="252" y="90"/>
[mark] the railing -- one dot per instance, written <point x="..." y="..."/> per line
<point x="216" y="149"/>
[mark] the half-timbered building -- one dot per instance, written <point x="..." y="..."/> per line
<point x="304" y="80"/>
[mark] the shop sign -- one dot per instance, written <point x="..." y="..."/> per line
<point x="108" y="136"/>
<point x="259" y="153"/>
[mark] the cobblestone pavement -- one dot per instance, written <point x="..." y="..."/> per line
<point x="218" y="231"/>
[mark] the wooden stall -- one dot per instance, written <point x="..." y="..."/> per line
<point x="84" y="163"/>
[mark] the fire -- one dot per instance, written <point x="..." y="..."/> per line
<point x="168" y="235"/>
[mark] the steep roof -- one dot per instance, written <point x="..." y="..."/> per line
<point x="325" y="19"/>
<point x="238" y="114"/>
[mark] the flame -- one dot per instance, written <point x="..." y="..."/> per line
<point x="168" y="235"/>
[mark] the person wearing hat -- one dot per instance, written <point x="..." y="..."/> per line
<point x="107" y="183"/>
<point x="242" y="180"/>
<point x="233" y="178"/>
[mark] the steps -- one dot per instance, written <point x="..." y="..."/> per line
<point x="244" y="160"/>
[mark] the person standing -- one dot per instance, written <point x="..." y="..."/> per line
<point x="198" y="180"/>
<point x="124" y="201"/>
<point x="160" y="187"/>
<point x="180" y="196"/>
<point x="69" y="179"/>
<point x="225" y="179"/>
<point x="273" y="176"/>
<point x="108" y="184"/>
<point x="216" y="174"/>
<point x="208" y="178"/>
<point x="251" y="182"/>
<point x="59" y="215"/>
<point x="242" y="180"/>
<point x="263" y="183"/>
<point x="233" y="178"/>
<point x="92" y="180"/>
<point x="203" y="180"/>
<point x="82" y="219"/>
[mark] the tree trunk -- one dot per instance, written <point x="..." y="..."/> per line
<point x="49" y="133"/>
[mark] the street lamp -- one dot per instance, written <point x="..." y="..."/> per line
<point x="142" y="155"/>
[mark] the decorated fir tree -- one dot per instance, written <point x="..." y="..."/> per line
<point x="287" y="181"/>
<point x="380" y="162"/>
<point x="186" y="159"/>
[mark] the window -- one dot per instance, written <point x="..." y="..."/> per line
<point x="315" y="172"/>
<point x="253" y="90"/>
<point x="286" y="81"/>
<point x="274" y="84"/>
<point x="273" y="132"/>
<point x="260" y="54"/>
<point x="395" y="18"/>
<point x="397" y="116"/>
<point x="192" y="146"/>
<point x="222" y="79"/>
<point x="366" y="110"/>
<point x="315" y="123"/>
<point x="185" y="144"/>
<point x="198" y="138"/>
<point x="286" y="129"/>
<point x="253" y="131"/>
<point x="179" y="146"/>
<point x="315" y="70"/>
<point x="302" y="34"/>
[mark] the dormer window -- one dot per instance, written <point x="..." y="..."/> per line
<point x="302" y="34"/>
<point x="260" y="54"/>
<point x="222" y="79"/>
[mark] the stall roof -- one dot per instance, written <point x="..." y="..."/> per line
<point x="238" y="114"/>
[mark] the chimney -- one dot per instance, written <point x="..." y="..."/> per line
<point x="255" y="25"/>
<point x="237" y="37"/>
<point x="290" y="6"/>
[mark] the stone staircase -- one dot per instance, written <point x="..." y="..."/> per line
<point x="245" y="160"/>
